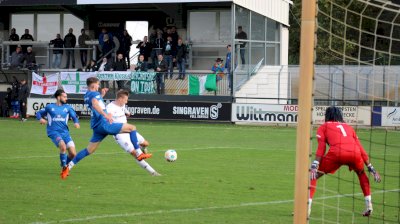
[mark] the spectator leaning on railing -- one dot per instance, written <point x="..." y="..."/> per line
<point x="30" y="59"/>
<point x="13" y="37"/>
<point x="26" y="36"/>
<point x="17" y="59"/>
<point x="70" y="42"/>
<point x="81" y="41"/>
<point x="57" y="53"/>
<point x="161" y="68"/>
<point x="141" y="65"/>
<point x="181" y="58"/>
<point x="120" y="65"/>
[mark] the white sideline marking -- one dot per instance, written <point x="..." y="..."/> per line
<point x="199" y="209"/>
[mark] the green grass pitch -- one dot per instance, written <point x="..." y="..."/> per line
<point x="224" y="174"/>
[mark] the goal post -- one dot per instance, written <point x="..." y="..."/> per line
<point x="307" y="45"/>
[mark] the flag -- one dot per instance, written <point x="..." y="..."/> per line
<point x="46" y="85"/>
<point x="199" y="84"/>
<point x="75" y="82"/>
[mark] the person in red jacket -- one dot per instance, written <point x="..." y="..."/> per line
<point x="344" y="149"/>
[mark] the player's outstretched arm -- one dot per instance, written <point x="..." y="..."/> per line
<point x="74" y="117"/>
<point x="96" y="106"/>
<point x="40" y="114"/>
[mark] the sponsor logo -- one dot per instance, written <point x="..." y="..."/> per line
<point x="211" y="112"/>
<point x="144" y="110"/>
<point x="251" y="113"/>
<point x="58" y="118"/>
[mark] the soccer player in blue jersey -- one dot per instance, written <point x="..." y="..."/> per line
<point x="57" y="115"/>
<point x="102" y="124"/>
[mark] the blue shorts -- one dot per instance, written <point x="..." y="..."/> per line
<point x="102" y="130"/>
<point x="57" y="137"/>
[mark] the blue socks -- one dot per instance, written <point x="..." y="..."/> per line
<point x="134" y="139"/>
<point x="63" y="159"/>
<point x="82" y="154"/>
<point x="68" y="159"/>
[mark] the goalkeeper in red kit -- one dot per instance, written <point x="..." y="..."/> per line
<point x="344" y="149"/>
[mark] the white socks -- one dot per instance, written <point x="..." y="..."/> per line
<point x="145" y="166"/>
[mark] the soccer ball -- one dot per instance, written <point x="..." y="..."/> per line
<point x="171" y="155"/>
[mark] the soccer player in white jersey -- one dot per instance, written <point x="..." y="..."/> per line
<point x="118" y="111"/>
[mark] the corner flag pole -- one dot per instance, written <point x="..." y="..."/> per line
<point x="307" y="42"/>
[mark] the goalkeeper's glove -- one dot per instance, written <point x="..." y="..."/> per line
<point x="314" y="170"/>
<point x="376" y="175"/>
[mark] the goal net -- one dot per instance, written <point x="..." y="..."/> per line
<point x="357" y="67"/>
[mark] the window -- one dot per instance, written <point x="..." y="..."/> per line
<point x="71" y="21"/>
<point x="21" y="22"/>
<point x="48" y="26"/>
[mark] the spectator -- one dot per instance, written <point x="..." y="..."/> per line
<point x="91" y="67"/>
<point x="153" y="37"/>
<point x="242" y="35"/>
<point x="144" y="48"/>
<point x="17" y="59"/>
<point x="228" y="64"/>
<point x="126" y="46"/>
<point x="70" y="42"/>
<point x="14" y="97"/>
<point x="174" y="35"/>
<point x="218" y="69"/>
<point x="4" y="108"/>
<point x="104" y="66"/>
<point x="102" y="38"/>
<point x="169" y="55"/>
<point x="141" y="65"/>
<point x="165" y="32"/>
<point x="23" y="93"/>
<point x="13" y="37"/>
<point x="161" y="68"/>
<point x="57" y="53"/>
<point x="8" y="99"/>
<point x="120" y="65"/>
<point x="28" y="37"/>
<point x="181" y="58"/>
<point x="30" y="59"/>
<point x="81" y="41"/>
<point x="158" y="47"/>
<point x="107" y="47"/>
<point x="117" y="45"/>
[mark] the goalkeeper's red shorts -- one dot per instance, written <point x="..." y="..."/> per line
<point x="332" y="161"/>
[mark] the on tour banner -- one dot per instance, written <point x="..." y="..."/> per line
<point x="287" y="114"/>
<point x="151" y="109"/>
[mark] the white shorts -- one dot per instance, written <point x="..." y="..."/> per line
<point x="124" y="141"/>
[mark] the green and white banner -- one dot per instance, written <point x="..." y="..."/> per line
<point x="75" y="82"/>
<point x="142" y="82"/>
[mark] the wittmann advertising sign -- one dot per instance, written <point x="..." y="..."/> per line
<point x="264" y="113"/>
<point x="151" y="109"/>
<point x="287" y="114"/>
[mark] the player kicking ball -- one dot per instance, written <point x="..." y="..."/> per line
<point x="57" y="115"/>
<point x="102" y="124"/>
<point x="344" y="149"/>
<point x="119" y="114"/>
